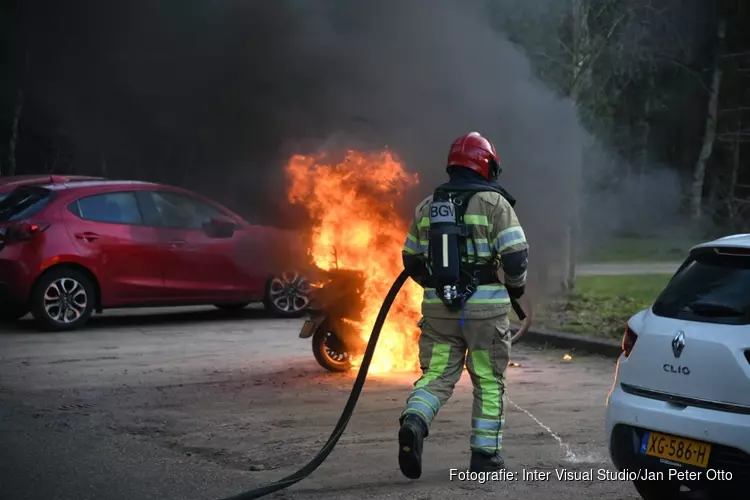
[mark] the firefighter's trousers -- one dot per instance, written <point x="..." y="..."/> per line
<point x="483" y="345"/>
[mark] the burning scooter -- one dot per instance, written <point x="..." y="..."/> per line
<point x="337" y="304"/>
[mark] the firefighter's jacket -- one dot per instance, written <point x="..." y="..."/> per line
<point x="500" y="240"/>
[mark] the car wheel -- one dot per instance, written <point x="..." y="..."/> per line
<point x="10" y="313"/>
<point x="657" y="490"/>
<point x="232" y="307"/>
<point x="287" y="295"/>
<point x="62" y="300"/>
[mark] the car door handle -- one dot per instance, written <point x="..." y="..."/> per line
<point x="87" y="236"/>
<point x="176" y="243"/>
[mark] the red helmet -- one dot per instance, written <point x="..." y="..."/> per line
<point x="475" y="152"/>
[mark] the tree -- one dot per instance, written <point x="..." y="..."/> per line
<point x="564" y="41"/>
<point x="17" y="112"/>
<point x="583" y="46"/>
<point x="709" y="134"/>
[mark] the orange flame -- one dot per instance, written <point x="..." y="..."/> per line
<point x="356" y="227"/>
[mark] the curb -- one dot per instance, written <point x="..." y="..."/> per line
<point x="572" y="341"/>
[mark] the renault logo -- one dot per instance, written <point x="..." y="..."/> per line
<point x="678" y="344"/>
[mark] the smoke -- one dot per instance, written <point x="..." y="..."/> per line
<point x="215" y="95"/>
<point x="415" y="75"/>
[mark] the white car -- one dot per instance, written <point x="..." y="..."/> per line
<point x="678" y="413"/>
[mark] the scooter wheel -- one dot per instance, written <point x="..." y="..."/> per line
<point x="329" y="351"/>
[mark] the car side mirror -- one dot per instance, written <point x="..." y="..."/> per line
<point x="220" y="227"/>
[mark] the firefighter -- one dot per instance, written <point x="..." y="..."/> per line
<point x="459" y="240"/>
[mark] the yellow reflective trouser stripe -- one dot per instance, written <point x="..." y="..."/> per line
<point x="422" y="402"/>
<point x="486" y="433"/>
<point x="480" y="425"/>
<point x="488" y="443"/>
<point x="490" y="388"/>
<point x="427" y="398"/>
<point x="509" y="237"/>
<point x="485" y="294"/>
<point x="438" y="363"/>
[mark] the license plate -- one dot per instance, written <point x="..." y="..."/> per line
<point x="307" y="329"/>
<point x="676" y="449"/>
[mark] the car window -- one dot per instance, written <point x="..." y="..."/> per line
<point x="711" y="288"/>
<point x="183" y="212"/>
<point x="113" y="208"/>
<point x="24" y="202"/>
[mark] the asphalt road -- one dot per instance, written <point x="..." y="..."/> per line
<point x="190" y="404"/>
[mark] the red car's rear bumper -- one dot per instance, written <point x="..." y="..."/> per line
<point x="16" y="275"/>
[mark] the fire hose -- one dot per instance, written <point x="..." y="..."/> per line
<point x="359" y="383"/>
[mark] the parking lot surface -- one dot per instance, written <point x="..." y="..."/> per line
<point x="194" y="404"/>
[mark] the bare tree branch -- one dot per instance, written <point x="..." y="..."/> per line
<point x="699" y="171"/>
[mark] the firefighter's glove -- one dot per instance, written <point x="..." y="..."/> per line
<point x="516" y="292"/>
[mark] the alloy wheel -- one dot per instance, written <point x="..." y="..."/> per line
<point x="289" y="292"/>
<point x="65" y="300"/>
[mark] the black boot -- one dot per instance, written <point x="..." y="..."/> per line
<point x="410" y="437"/>
<point x="481" y="462"/>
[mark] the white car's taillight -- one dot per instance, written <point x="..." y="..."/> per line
<point x="628" y="341"/>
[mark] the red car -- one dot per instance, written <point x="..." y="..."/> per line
<point x="8" y="184"/>
<point x="69" y="248"/>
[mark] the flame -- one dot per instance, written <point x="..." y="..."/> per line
<point x="567" y="357"/>
<point x="357" y="227"/>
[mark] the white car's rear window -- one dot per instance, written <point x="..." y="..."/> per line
<point x="709" y="288"/>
